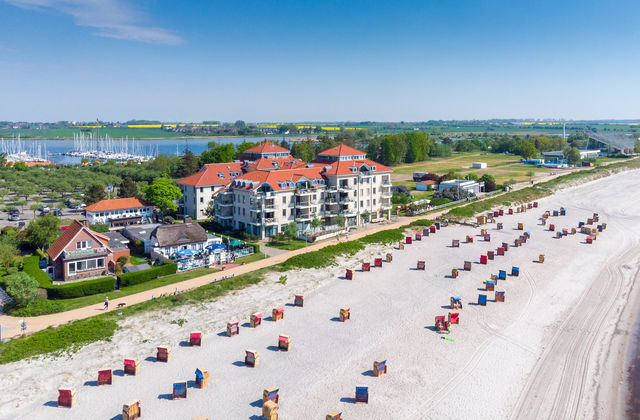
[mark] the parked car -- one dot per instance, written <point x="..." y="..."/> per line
<point x="57" y="212"/>
<point x="14" y="217"/>
<point x="21" y="224"/>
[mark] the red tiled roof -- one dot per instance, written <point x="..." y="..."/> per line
<point x="67" y="236"/>
<point x="116" y="204"/>
<point x="266" y="147"/>
<point x="341" y="150"/>
<point x="273" y="178"/>
<point x="343" y="167"/>
<point x="209" y="174"/>
<point x="266" y="164"/>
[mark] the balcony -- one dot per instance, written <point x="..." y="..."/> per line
<point x="270" y="221"/>
<point x="84" y="253"/>
<point x="270" y="205"/>
<point x="224" y="203"/>
<point x="386" y="194"/>
<point x="301" y="192"/>
<point x="305" y="204"/>
<point x="304" y="216"/>
<point x="224" y="216"/>
<point x="345" y="188"/>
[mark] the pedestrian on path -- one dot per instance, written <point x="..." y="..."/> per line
<point x="346" y="235"/>
<point x="106" y="303"/>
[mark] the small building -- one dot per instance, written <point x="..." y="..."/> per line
<point x="81" y="253"/>
<point x="479" y="165"/>
<point x="119" y="212"/>
<point x="559" y="155"/>
<point x="464" y="184"/>
<point x="426" y="185"/>
<point x="167" y="240"/>
<point x="140" y="233"/>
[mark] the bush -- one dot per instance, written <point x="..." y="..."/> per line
<point x="83" y="288"/>
<point x="35" y="308"/>
<point x="421" y="222"/>
<point x="100" y="228"/>
<point x="385" y="237"/>
<point x="323" y="257"/>
<point x="22" y="288"/>
<point x="129" y="279"/>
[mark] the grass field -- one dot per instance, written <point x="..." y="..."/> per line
<point x="288" y="245"/>
<point x="67" y="133"/>
<point x="250" y="258"/>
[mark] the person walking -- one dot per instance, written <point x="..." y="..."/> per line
<point x="106" y="303"/>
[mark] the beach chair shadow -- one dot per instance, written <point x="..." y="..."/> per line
<point x="472" y="303"/>
<point x="273" y="348"/>
<point x="368" y="373"/>
<point x="245" y="325"/>
<point x="335" y="319"/>
<point x="51" y="404"/>
<point x="222" y="334"/>
<point x="446" y="307"/>
<point x="431" y="328"/>
<point x="118" y="372"/>
<point x="256" y="403"/>
<point x="191" y="384"/>
<point x="151" y="359"/>
<point x="118" y="417"/>
<point x="239" y="363"/>
<point x="350" y="400"/>
<point x="289" y="304"/>
<point x="91" y="383"/>
<point x="481" y="289"/>
<point x="254" y="417"/>
<point x="184" y="344"/>
<point x="269" y="318"/>
<point x="165" y="396"/>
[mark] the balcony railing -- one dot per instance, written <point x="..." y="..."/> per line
<point x="85" y="253"/>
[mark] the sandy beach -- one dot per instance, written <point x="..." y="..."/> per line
<point x="556" y="348"/>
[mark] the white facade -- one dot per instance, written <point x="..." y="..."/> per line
<point x="112" y="217"/>
<point x="463" y="184"/>
<point x="479" y="165"/>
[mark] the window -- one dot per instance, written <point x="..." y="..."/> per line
<point x="71" y="267"/>
<point x="202" y="199"/>
<point x="83" y="244"/>
<point x="361" y="203"/>
<point x="243" y="211"/>
<point x="292" y="211"/>
<point x="374" y="190"/>
<point x="284" y="199"/>
<point x="374" y="201"/>
<point x="284" y="212"/>
<point x="243" y="198"/>
<point x="368" y="203"/>
<point x="201" y="189"/>
<point x="374" y="179"/>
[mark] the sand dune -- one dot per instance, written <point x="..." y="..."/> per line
<point x="537" y="355"/>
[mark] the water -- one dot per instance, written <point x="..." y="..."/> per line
<point x="165" y="146"/>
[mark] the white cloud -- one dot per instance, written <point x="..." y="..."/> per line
<point x="111" y="19"/>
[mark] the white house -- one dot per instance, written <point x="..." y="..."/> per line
<point x="479" y="165"/>
<point x="463" y="184"/>
<point x="119" y="212"/>
<point x="167" y="240"/>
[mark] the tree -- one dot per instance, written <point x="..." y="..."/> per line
<point x="34" y="207"/>
<point x="471" y="177"/>
<point x="162" y="193"/>
<point x="339" y="220"/>
<point x="210" y="211"/>
<point x="8" y="254"/>
<point x="22" y="287"/>
<point x="188" y="165"/>
<point x="128" y="188"/>
<point x="291" y="231"/>
<point x="93" y="194"/>
<point x="20" y="166"/>
<point x="365" y="216"/>
<point x="573" y="155"/>
<point x="43" y="230"/>
<point x="528" y="150"/>
<point x="489" y="182"/>
<point x="636" y="146"/>
<point x="100" y="228"/>
<point x="218" y="153"/>
<point x="316" y="223"/>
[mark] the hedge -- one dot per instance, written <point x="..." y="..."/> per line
<point x="137" y="277"/>
<point x="83" y="288"/>
<point x="32" y="268"/>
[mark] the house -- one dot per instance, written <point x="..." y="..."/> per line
<point x="140" y="233"/>
<point x="119" y="212"/>
<point x="464" y="184"/>
<point x="80" y="253"/>
<point x="479" y="165"/>
<point x="167" y="240"/>
<point x="426" y="185"/>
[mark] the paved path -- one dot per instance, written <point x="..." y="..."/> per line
<point x="41" y="322"/>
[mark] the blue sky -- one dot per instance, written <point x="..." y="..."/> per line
<point x="318" y="60"/>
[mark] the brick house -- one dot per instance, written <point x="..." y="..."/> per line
<point x="80" y="253"/>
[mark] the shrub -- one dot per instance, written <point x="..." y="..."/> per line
<point x="35" y="308"/>
<point x="387" y="236"/>
<point x="83" y="288"/>
<point x="22" y="288"/>
<point x="421" y="222"/>
<point x="323" y="257"/>
<point x="137" y="277"/>
<point x="100" y="228"/>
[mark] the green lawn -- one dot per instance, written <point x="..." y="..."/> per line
<point x="289" y="246"/>
<point x="137" y="260"/>
<point x="250" y="258"/>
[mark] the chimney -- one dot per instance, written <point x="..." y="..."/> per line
<point x="85" y="223"/>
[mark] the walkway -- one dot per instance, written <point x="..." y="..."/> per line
<point x="41" y="322"/>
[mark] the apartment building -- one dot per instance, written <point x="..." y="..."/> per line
<point x="341" y="182"/>
<point x="119" y="212"/>
<point x="199" y="188"/>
